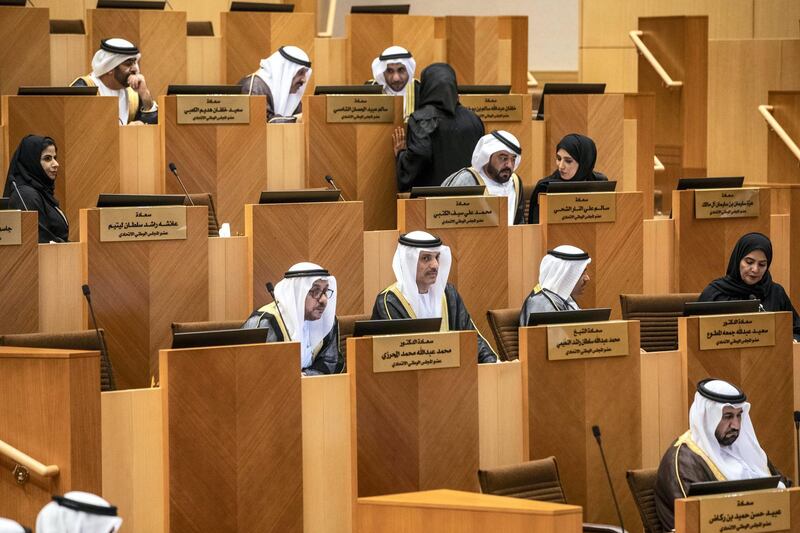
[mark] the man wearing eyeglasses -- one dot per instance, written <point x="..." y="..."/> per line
<point x="304" y="311"/>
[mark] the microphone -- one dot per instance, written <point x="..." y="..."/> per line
<point x="760" y="307"/>
<point x="797" y="440"/>
<point x="596" y="433"/>
<point x="332" y="183"/>
<point x="100" y="340"/>
<point x="174" y="170"/>
<point x="25" y="207"/>
<point x="271" y="291"/>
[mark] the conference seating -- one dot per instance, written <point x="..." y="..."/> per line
<point x="658" y="317"/>
<point x="642" y="484"/>
<point x="504" y="324"/>
<point x="207" y="200"/>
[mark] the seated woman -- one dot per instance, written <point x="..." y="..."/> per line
<point x="575" y="158"/>
<point x="33" y="169"/>
<point x="748" y="276"/>
<point x="562" y="276"/>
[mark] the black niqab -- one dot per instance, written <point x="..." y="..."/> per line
<point x="26" y="168"/>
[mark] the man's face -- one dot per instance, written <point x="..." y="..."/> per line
<point x="396" y="76"/>
<point x="427" y="270"/>
<point x="728" y="428"/>
<point x="581" y="285"/>
<point x="125" y="70"/>
<point x="298" y="80"/>
<point x="316" y="300"/>
<point x="501" y="166"/>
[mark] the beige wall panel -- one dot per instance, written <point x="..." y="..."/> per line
<point x="606" y="23"/>
<point x="776" y="19"/>
<point x="204" y="61"/>
<point x="330" y="67"/>
<point x="616" y="67"/>
<point x="61" y="301"/>
<point x="67" y="58"/>
<point x="140" y="160"/>
<point x="379" y="247"/>
<point x="501" y="419"/>
<point x="228" y="297"/>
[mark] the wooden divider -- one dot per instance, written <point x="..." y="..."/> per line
<point x="331" y="65"/>
<point x="205" y="61"/>
<point x="658" y="267"/>
<point x="564" y="399"/>
<point x="49" y="410"/>
<point x="782" y="165"/>
<point x="140" y="288"/>
<point x="159" y="35"/>
<point x="61" y="301"/>
<point x="665" y="413"/>
<point x="67" y="58"/>
<point x="369" y="35"/>
<point x="525" y="248"/>
<point x="330" y="234"/>
<point x="141" y="160"/>
<point x="793" y="248"/>
<point x="379" y="248"/>
<point x="703" y="246"/>
<point x="19" y="264"/>
<point x="501" y="418"/>
<point x="233" y="444"/>
<point x="228" y="295"/>
<point x="85" y="129"/>
<point x="29" y="64"/>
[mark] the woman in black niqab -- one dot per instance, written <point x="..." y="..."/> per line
<point x="36" y="188"/>
<point x="583" y="150"/>
<point x="733" y="287"/>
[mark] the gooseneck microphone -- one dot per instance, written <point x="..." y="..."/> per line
<point x="797" y="441"/>
<point x="596" y="433"/>
<point x="332" y="183"/>
<point x="174" y="170"/>
<point x="25" y="207"/>
<point x="760" y="307"/>
<point x="100" y="340"/>
<point x="271" y="291"/>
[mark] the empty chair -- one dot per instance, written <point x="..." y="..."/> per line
<point x="643" y="485"/>
<point x="505" y="328"/>
<point x="207" y="200"/>
<point x="658" y="317"/>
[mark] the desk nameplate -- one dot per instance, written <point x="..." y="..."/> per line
<point x="462" y="212"/>
<point x="213" y="109"/>
<point x="726" y="332"/>
<point x="588" y="340"/>
<point x="143" y="223"/>
<point x="359" y="109"/>
<point x="495" y="107"/>
<point x="764" y="510"/>
<point x="581" y="208"/>
<point x="10" y="228"/>
<point x="726" y="203"/>
<point x="417" y="351"/>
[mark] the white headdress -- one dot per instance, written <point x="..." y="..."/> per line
<point x="112" y="53"/>
<point x="9" y="526"/>
<point x="490" y="144"/>
<point x="561" y="269"/>
<point x="78" y="512"/>
<point x="404" y="264"/>
<point x="278" y="71"/>
<point x="291" y="293"/>
<point x="393" y="54"/>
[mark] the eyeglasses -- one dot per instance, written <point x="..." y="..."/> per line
<point x="317" y="293"/>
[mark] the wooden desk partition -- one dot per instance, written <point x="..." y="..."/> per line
<point x="360" y="159"/>
<point x="793" y="248"/>
<point x="19" y="264"/>
<point x="687" y="513"/>
<point x="233" y="445"/>
<point x="369" y="35"/>
<point x="616" y="249"/>
<point x="159" y="35"/>
<point x="703" y="246"/>
<point x="450" y="511"/>
<point x="140" y="288"/>
<point x="564" y="399"/>
<point x="85" y="129"/>
<point x="250" y="36"/>
<point x="782" y="164"/>
<point x="416" y="429"/>
<point x="330" y="234"/>
<point x="28" y="64"/>
<point x="765" y="374"/>
<point x="49" y="410"/>
<point x="61" y="301"/>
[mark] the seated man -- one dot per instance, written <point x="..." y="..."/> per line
<point x="78" y="511"/>
<point x="394" y="71"/>
<point x="496" y="158"/>
<point x="304" y="310"/>
<point x="283" y="78"/>
<point x="562" y="276"/>
<point x="721" y="444"/>
<point x="422" y="265"/>
<point x="115" y="72"/>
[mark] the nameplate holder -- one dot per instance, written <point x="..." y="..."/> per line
<point x="418" y="351"/>
<point x="767" y="510"/>
<point x="10" y="228"/>
<point x="161" y="223"/>
<point x="495" y="107"/>
<point x="588" y="340"/>
<point x="462" y="212"/>
<point x="213" y="109"/>
<point x="726" y="203"/>
<point x="360" y="109"/>
<point x="727" y="332"/>
<point x="581" y="208"/>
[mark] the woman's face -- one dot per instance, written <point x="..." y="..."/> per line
<point x="753" y="266"/>
<point x="566" y="164"/>
<point x="48" y="162"/>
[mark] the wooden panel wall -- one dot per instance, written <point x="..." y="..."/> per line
<point x="782" y="165"/>
<point x="28" y="64"/>
<point x="67" y="58"/>
<point x="502" y="420"/>
<point x="665" y="413"/>
<point x="204" y="61"/>
<point x="233" y="458"/>
<point x="140" y="288"/>
<point x="141" y="160"/>
<point x="331" y="65"/>
<point x="61" y="301"/>
<point x="50" y="410"/>
<point x="20" y="267"/>
<point x="228" y="295"/>
<point x="328" y="234"/>
<point x="794" y="247"/>
<point x="379" y="248"/>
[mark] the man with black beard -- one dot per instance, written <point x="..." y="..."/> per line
<point x="496" y="158"/>
<point x="115" y="72"/>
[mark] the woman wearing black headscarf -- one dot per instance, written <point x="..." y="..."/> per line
<point x="441" y="133"/>
<point x="34" y="168"/>
<point x="575" y="158"/>
<point x="748" y="276"/>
